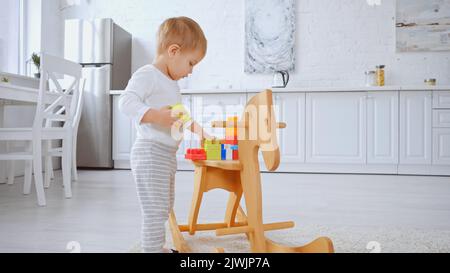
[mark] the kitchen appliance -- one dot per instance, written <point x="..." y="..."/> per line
<point x="280" y="79"/>
<point x="104" y="50"/>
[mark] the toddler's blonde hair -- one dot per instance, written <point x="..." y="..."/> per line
<point x="182" y="31"/>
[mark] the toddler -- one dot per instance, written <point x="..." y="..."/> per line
<point x="148" y="100"/>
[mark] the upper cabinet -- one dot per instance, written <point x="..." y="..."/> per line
<point x="415" y="127"/>
<point x="336" y="127"/>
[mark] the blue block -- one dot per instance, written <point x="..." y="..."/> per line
<point x="224" y="155"/>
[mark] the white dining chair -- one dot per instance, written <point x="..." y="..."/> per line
<point x="54" y="105"/>
<point x="49" y="151"/>
<point x="58" y="151"/>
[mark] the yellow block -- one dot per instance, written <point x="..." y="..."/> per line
<point x="178" y="110"/>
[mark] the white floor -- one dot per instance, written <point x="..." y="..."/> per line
<point x="103" y="215"/>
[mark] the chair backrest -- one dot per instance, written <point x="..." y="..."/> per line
<point x="79" y="109"/>
<point x="260" y="132"/>
<point x="59" y="103"/>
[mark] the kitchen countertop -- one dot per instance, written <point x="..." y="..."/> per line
<point x="312" y="89"/>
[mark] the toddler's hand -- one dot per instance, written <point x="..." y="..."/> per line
<point x="206" y="136"/>
<point x="164" y="117"/>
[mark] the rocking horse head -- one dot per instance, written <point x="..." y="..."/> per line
<point x="260" y="129"/>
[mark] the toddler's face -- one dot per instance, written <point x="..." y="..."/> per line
<point x="182" y="63"/>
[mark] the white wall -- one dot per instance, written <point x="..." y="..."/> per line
<point x="52" y="28"/>
<point x="9" y="36"/>
<point x="32" y="31"/>
<point x="336" y="41"/>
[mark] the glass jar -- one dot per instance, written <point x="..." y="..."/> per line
<point x="430" y="82"/>
<point x="380" y="75"/>
<point x="371" y="79"/>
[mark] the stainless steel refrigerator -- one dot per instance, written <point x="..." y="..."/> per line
<point x="104" y="50"/>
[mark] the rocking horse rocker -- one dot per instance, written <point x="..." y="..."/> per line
<point x="242" y="178"/>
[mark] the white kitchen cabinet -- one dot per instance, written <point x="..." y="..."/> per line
<point x="441" y="146"/>
<point x="415" y="127"/>
<point x="290" y="108"/>
<point x="336" y="127"/>
<point x="441" y="118"/>
<point x="382" y="127"/>
<point x="379" y="131"/>
<point x="216" y="107"/>
<point x="124" y="134"/>
<point x="441" y="99"/>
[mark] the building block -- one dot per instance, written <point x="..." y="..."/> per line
<point x="235" y="150"/>
<point x="231" y="142"/>
<point x="231" y="133"/>
<point x="178" y="110"/>
<point x="229" y="152"/>
<point x="224" y="154"/>
<point x="214" y="155"/>
<point x="213" y="149"/>
<point x="196" y="154"/>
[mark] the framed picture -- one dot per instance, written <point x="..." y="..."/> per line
<point x="423" y="25"/>
<point x="269" y="36"/>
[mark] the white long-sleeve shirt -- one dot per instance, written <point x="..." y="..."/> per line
<point x="149" y="88"/>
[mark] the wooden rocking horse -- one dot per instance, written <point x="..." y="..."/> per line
<point x="242" y="178"/>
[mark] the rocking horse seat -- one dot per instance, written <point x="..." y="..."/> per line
<point x="224" y="165"/>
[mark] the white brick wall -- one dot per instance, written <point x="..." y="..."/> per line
<point x="336" y="41"/>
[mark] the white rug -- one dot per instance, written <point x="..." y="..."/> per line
<point x="345" y="239"/>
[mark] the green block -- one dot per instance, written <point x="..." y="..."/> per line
<point x="214" y="155"/>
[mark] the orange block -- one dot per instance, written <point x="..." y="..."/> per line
<point x="232" y="132"/>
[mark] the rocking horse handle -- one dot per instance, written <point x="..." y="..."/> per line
<point x="281" y="125"/>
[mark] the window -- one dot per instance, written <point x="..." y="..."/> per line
<point x="10" y="36"/>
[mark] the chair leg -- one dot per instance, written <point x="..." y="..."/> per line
<point x="48" y="164"/>
<point x="38" y="179"/>
<point x="66" y="166"/>
<point x="3" y="178"/>
<point x="74" y="161"/>
<point x="10" y="166"/>
<point x="28" y="177"/>
<point x="52" y="172"/>
<point x="11" y="172"/>
<point x="28" y="172"/>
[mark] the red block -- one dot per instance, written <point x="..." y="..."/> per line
<point x="195" y="154"/>
<point x="235" y="155"/>
<point x="230" y="142"/>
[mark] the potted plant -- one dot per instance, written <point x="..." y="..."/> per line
<point x="37" y="62"/>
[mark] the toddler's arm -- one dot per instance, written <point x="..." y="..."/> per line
<point x="198" y="130"/>
<point x="131" y="102"/>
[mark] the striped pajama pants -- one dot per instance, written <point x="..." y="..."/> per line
<point x="154" y="165"/>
